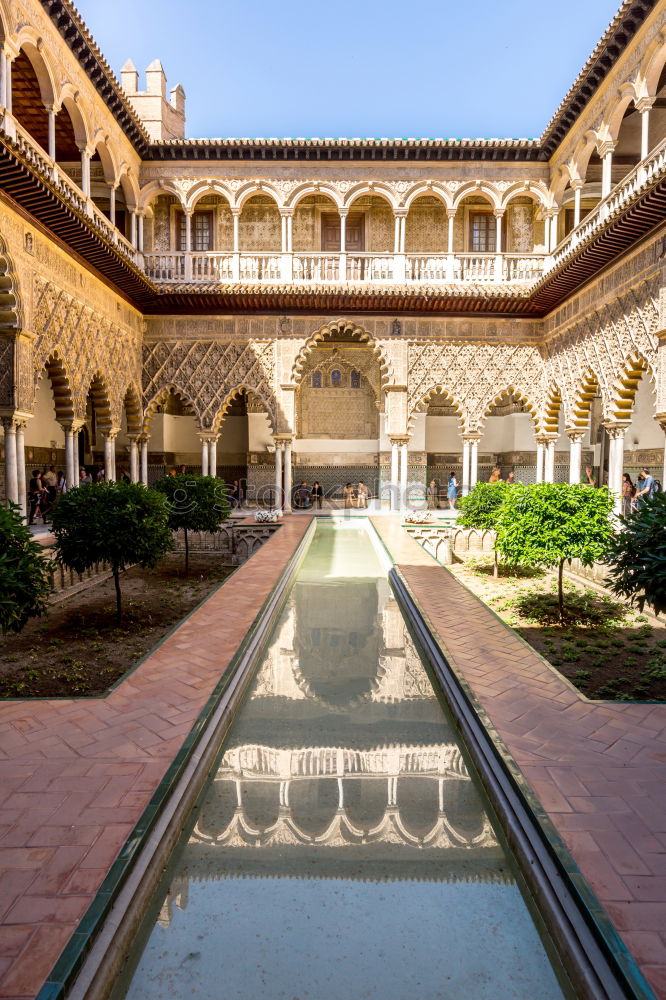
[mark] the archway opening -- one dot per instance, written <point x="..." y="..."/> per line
<point x="28" y="105"/>
<point x="437" y="427"/>
<point x="174" y="436"/>
<point x="242" y="430"/>
<point x="508" y="442"/>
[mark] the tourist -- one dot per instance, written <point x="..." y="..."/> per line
<point x="628" y="493"/>
<point x="49" y="481"/>
<point x="588" y="478"/>
<point x="100" y="476"/>
<point x="124" y="475"/>
<point x="38" y="497"/>
<point x="84" y="476"/>
<point x="236" y="494"/>
<point x="645" y="487"/>
<point x="182" y="469"/>
<point x="302" y="497"/>
<point x="452" y="491"/>
<point x="511" y="479"/>
<point x="432" y="494"/>
<point x="495" y="475"/>
<point x="362" y="494"/>
<point x="348" y="497"/>
<point x="317" y="495"/>
<point x="61" y="483"/>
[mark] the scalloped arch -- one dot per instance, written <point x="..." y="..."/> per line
<point x="337" y="327"/>
<point x="253" y="393"/>
<point x="159" y="397"/>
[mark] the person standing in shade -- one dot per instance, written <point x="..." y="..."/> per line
<point x="433" y="495"/>
<point x="588" y="478"/>
<point x="452" y="491"/>
<point x="628" y="493"/>
<point x="348" y="495"/>
<point x="317" y="495"/>
<point x="645" y="487"/>
<point x="362" y="494"/>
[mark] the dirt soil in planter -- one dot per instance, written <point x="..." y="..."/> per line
<point x="607" y="649"/>
<point x="77" y="649"/>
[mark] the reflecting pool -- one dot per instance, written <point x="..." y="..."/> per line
<point x="342" y="849"/>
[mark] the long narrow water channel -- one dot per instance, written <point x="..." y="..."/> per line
<point x="342" y="849"/>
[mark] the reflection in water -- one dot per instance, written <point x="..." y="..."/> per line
<point x="343" y="794"/>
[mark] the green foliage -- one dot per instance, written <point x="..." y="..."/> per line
<point x="119" y="523"/>
<point x="637" y="555"/>
<point x="194" y="503"/>
<point x="479" y="508"/>
<point x="546" y="524"/>
<point x="25" y="578"/>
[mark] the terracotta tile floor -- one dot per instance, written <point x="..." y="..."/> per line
<point x="76" y="775"/>
<point x="599" y="768"/>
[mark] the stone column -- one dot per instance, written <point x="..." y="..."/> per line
<point x="85" y="172"/>
<point x="473" y="462"/>
<point x="132" y="227"/>
<point x="576" y="185"/>
<point x="395" y="475"/>
<point x="112" y="204"/>
<point x="20" y="467"/>
<point x="71" y="465"/>
<point x="399" y="263"/>
<point x="235" y="263"/>
<point x="278" y="475"/>
<point x="465" y="467"/>
<point x="110" y="456"/>
<point x="52" y="135"/>
<point x="540" y="455"/>
<point x="343" y="244"/>
<point x="144" y="461"/>
<point x="134" y="460"/>
<point x="212" y="457"/>
<point x="204" y="456"/>
<point x="575" y="452"/>
<point x="139" y="239"/>
<point x="606" y="154"/>
<point x="616" y="434"/>
<point x="644" y="106"/>
<point x="3" y="78"/>
<point x="8" y="83"/>
<point x="549" y="461"/>
<point x="11" y="477"/>
<point x="287" y="260"/>
<point x="403" y="473"/>
<point x="661" y="419"/>
<point x="498" y="245"/>
<point x="450" y="262"/>
<point x="287" y="477"/>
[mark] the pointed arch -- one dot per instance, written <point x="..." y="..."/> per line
<point x="61" y="386"/>
<point x="421" y="404"/>
<point x="160" y="397"/>
<point x="550" y="418"/>
<point x="623" y="390"/>
<point x="252" y="393"/>
<point x="586" y="390"/>
<point x="511" y="391"/>
<point x="336" y="328"/>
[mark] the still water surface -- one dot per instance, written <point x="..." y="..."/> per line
<point x="341" y="850"/>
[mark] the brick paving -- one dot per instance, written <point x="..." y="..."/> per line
<point x="598" y="768"/>
<point x="75" y="776"/>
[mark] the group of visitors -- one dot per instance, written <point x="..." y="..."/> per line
<point x="356" y="496"/>
<point x="43" y="490"/>
<point x="308" y="496"/>
<point x="432" y="493"/>
<point x="634" y="494"/>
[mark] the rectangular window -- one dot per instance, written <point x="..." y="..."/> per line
<point x="482" y="232"/>
<point x="202" y="231"/>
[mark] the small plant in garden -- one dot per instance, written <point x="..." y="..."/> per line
<point x="548" y="524"/>
<point x="118" y="523"/>
<point x="194" y="503"/>
<point x="637" y="556"/>
<point x="479" y="509"/>
<point x="25" y="578"/>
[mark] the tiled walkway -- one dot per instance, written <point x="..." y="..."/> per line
<point x="76" y="775"/>
<point x="599" y="768"/>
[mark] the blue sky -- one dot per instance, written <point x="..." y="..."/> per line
<point x="433" y="68"/>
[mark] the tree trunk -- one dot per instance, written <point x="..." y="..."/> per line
<point x="560" y="589"/>
<point x="187" y="553"/>
<point x="496" y="567"/>
<point x="116" y="580"/>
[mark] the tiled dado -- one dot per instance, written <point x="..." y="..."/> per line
<point x="598" y="768"/>
<point x="76" y="776"/>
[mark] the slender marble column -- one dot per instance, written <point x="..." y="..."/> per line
<point x="11" y="477"/>
<point x="287" y="476"/>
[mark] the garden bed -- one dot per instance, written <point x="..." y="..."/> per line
<point x="608" y="650"/>
<point x="77" y="649"/>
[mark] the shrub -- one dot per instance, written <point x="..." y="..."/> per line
<point x="119" y="523"/>
<point x="25" y="577"/>
<point x="547" y="524"/>
<point x="637" y="555"/>
<point x="479" y="509"/>
<point x="194" y="503"/>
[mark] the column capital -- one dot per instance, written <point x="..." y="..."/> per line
<point x="343" y="212"/>
<point x="286" y="213"/>
<point x="110" y="433"/>
<point x="616" y="430"/>
<point x="575" y="435"/>
<point x="471" y="438"/>
<point x="399" y="439"/>
<point x="499" y="213"/>
<point x="400" y="213"/>
<point x="644" y="104"/>
<point x="661" y="420"/>
<point x="606" y="147"/>
<point x="577" y="183"/>
<point x="451" y="213"/>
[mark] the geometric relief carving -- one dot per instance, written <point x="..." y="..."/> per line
<point x="87" y="343"/>
<point x="207" y="372"/>
<point x="7" y="371"/>
<point x="474" y="374"/>
<point x="604" y="343"/>
<point x="338" y="394"/>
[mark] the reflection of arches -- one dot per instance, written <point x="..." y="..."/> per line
<point x="339" y="329"/>
<point x="313" y="803"/>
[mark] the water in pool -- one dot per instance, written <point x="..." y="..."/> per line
<point x="341" y="850"/>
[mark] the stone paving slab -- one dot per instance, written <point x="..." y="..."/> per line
<point x="598" y="768"/>
<point x="76" y="775"/>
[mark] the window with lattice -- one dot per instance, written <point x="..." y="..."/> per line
<point x="355" y="380"/>
<point x="336" y="378"/>
<point x="315" y="380"/>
